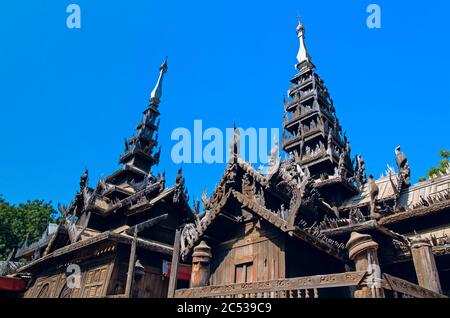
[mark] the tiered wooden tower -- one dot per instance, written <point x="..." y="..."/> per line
<point x="312" y="133"/>
<point x="141" y="151"/>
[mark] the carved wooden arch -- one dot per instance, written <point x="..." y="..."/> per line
<point x="44" y="292"/>
<point x="65" y="292"/>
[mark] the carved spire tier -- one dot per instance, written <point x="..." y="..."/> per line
<point x="312" y="132"/>
<point x="142" y="151"/>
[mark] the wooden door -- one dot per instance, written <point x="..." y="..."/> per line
<point x="152" y="285"/>
<point x="96" y="281"/>
<point x="244" y="273"/>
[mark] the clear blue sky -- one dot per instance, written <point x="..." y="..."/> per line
<point x="69" y="97"/>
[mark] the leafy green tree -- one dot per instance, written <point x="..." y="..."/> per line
<point x="26" y="220"/>
<point x="444" y="165"/>
<point x="5" y="233"/>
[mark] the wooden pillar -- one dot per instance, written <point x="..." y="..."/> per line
<point x="131" y="262"/>
<point x="201" y="270"/>
<point x="425" y="265"/>
<point x="363" y="251"/>
<point x="174" y="265"/>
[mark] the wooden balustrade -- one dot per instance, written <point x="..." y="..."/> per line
<point x="307" y="287"/>
<point x="295" y="293"/>
<point x="404" y="289"/>
<point x="301" y="287"/>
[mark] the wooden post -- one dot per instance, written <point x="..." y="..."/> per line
<point x="130" y="273"/>
<point x="174" y="266"/>
<point x="363" y="251"/>
<point x="425" y="265"/>
<point x="201" y="271"/>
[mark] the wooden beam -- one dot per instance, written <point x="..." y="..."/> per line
<point x="174" y="266"/>
<point x="347" y="229"/>
<point x="402" y="286"/>
<point x="130" y="273"/>
<point x="210" y="238"/>
<point x="144" y="243"/>
<point x="228" y="217"/>
<point x="319" y="244"/>
<point x="147" y="224"/>
<point x="365" y="226"/>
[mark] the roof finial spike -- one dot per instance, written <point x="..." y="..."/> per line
<point x="156" y="94"/>
<point x="235" y="143"/>
<point x="303" y="55"/>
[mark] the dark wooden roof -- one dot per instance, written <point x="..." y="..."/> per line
<point x="100" y="238"/>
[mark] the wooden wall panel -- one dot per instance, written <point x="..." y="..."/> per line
<point x="94" y="281"/>
<point x="263" y="252"/>
<point x="152" y="285"/>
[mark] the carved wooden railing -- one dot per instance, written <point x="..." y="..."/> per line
<point x="301" y="287"/>
<point x="404" y="289"/>
<point x="308" y="287"/>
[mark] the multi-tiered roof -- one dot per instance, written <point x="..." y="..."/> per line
<point x="312" y="133"/>
<point x="131" y="196"/>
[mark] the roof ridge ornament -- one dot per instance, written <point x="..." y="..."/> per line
<point x="156" y="94"/>
<point x="235" y="144"/>
<point x="303" y="56"/>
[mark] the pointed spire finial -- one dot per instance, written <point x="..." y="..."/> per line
<point x="299" y="21"/>
<point x="157" y="91"/>
<point x="303" y="55"/>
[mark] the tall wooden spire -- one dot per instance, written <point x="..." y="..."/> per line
<point x="142" y="151"/>
<point x="312" y="132"/>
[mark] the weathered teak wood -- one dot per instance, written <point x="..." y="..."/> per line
<point x="121" y="238"/>
<point x="50" y="243"/>
<point x="147" y="224"/>
<point x="131" y="262"/>
<point x="402" y="286"/>
<point x="425" y="265"/>
<point x="319" y="244"/>
<point x="174" y="266"/>
<point x="419" y="212"/>
<point x="129" y="200"/>
<point x="276" y="286"/>
<point x="283" y="225"/>
<point x="363" y="227"/>
<point x="144" y="243"/>
<point x="360" y="227"/>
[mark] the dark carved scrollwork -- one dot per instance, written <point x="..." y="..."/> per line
<point x="403" y="169"/>
<point x="360" y="172"/>
<point x="84" y="179"/>
<point x="180" y="188"/>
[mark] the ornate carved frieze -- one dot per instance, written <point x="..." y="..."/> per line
<point x="409" y="289"/>
<point x="280" y="285"/>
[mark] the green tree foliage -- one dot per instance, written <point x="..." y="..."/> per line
<point x="18" y="222"/>
<point x="444" y="164"/>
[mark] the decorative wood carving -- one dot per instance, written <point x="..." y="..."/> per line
<point x="280" y="285"/>
<point x="402" y="286"/>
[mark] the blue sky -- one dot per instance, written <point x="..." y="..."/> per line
<point x="70" y="97"/>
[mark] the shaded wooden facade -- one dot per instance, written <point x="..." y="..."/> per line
<point x="310" y="225"/>
<point x="314" y="224"/>
<point x="115" y="237"/>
